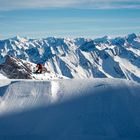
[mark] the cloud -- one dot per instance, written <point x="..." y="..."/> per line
<point x="93" y="4"/>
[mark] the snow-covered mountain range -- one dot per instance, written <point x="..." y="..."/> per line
<point x="79" y="58"/>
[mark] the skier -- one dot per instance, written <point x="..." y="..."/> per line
<point x="39" y="68"/>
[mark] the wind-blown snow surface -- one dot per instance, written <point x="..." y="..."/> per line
<point x="80" y="57"/>
<point x="100" y="109"/>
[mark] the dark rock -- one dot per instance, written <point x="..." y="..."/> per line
<point x="15" y="68"/>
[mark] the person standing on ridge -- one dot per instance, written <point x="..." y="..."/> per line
<point x="39" y="68"/>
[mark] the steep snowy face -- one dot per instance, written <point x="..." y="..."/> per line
<point x="80" y="57"/>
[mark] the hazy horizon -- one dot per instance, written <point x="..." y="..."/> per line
<point x="70" y="18"/>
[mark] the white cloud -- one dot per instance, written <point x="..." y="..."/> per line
<point x="101" y="4"/>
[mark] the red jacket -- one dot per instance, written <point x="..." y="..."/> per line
<point x="39" y="66"/>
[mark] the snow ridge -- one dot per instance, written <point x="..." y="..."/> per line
<point x="99" y="109"/>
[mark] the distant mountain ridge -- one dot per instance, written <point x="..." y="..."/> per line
<point x="80" y="58"/>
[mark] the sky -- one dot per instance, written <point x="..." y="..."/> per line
<point x="69" y="18"/>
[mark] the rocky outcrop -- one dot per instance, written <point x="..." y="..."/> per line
<point x="15" y="68"/>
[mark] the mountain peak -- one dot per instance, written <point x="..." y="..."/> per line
<point x="19" y="39"/>
<point x="104" y="39"/>
<point x="131" y="37"/>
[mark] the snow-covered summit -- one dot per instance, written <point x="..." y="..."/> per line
<point x="80" y="58"/>
<point x="130" y="38"/>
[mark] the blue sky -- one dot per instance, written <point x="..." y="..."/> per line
<point x="69" y="18"/>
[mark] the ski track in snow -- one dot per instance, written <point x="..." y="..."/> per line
<point x="54" y="90"/>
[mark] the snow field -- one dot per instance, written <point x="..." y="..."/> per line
<point x="100" y="109"/>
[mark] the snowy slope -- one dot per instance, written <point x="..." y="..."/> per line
<point x="100" y="109"/>
<point x="2" y="76"/>
<point x="80" y="58"/>
<point x="14" y="68"/>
